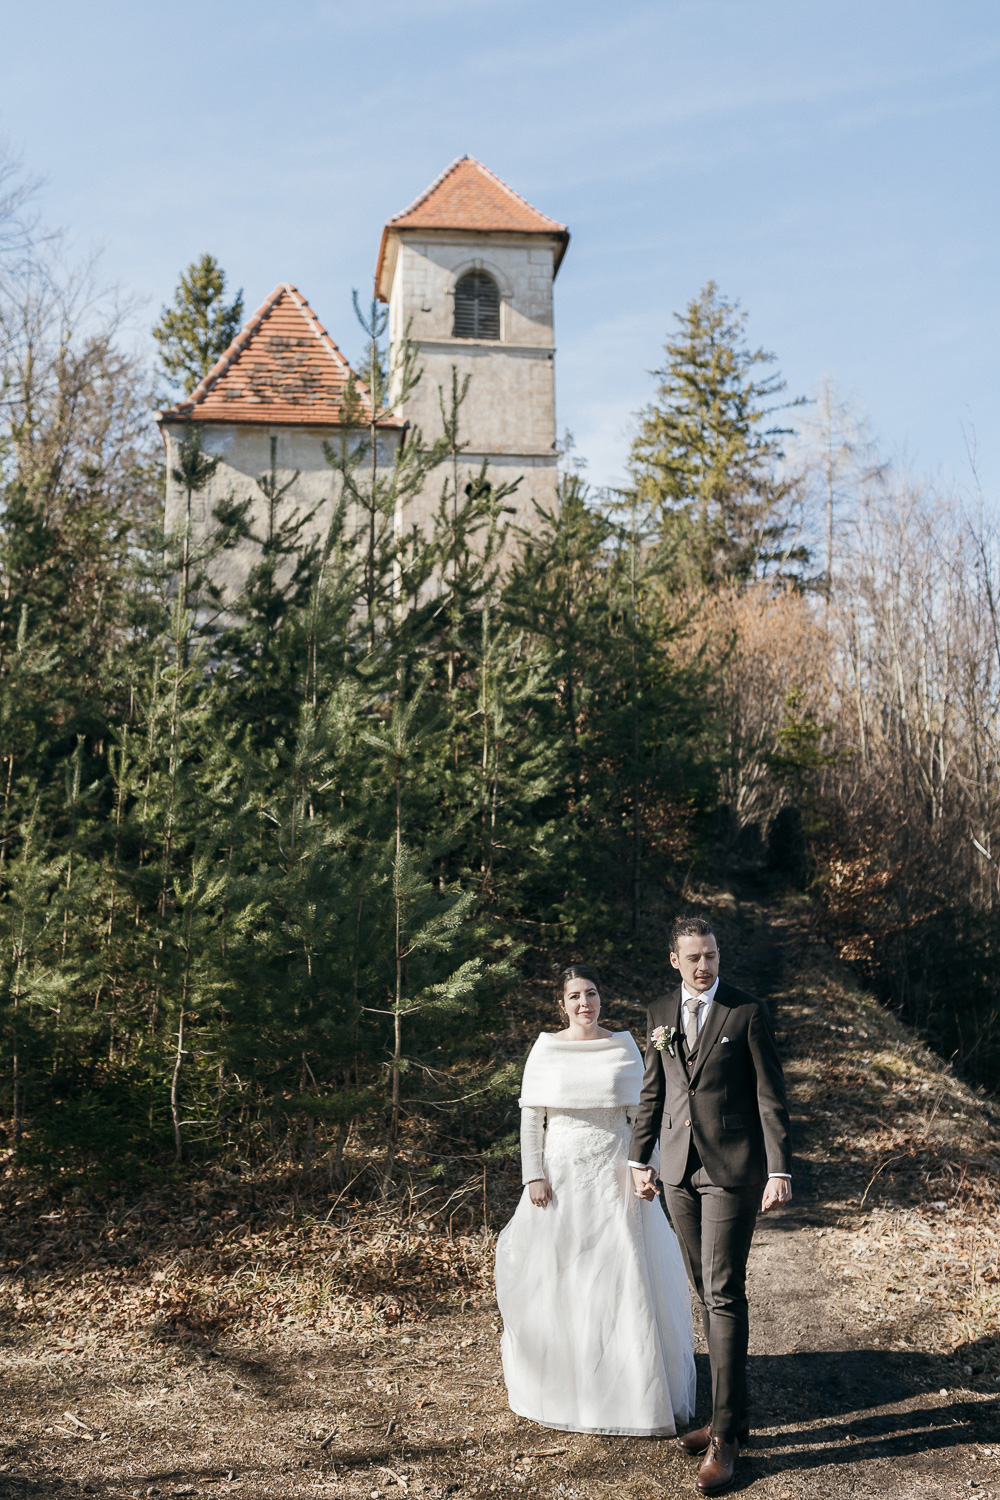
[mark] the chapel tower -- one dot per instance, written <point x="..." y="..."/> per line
<point x="468" y="268"/>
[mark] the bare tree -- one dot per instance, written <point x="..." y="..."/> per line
<point x="18" y="214"/>
<point x="839" y="461"/>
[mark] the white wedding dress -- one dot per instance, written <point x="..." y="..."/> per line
<point x="592" y="1289"/>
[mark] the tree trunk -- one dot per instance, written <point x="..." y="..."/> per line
<point x="175" y="1091"/>
<point x="17" y="1124"/>
<point x="397" y="1048"/>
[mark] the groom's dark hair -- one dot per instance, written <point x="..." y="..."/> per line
<point x="689" y="927"/>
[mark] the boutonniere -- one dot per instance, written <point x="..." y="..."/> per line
<point x="663" y="1038"/>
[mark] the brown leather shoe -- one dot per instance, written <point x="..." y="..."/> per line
<point x="694" y="1444"/>
<point x="718" y="1467"/>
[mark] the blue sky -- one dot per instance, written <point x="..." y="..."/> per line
<point x="832" y="164"/>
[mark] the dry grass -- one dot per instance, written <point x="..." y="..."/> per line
<point x="908" y="1158"/>
<point x="137" y="1267"/>
<point x="258" y="1339"/>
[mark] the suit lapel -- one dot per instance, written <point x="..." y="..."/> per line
<point x="711" y="1031"/>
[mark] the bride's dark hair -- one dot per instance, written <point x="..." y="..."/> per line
<point x="576" y="971"/>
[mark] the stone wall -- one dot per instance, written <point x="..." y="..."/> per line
<point x="509" y="414"/>
<point x="245" y="454"/>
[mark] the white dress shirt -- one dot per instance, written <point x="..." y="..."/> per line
<point x="706" y="998"/>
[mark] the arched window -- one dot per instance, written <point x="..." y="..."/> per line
<point x="477" y="307"/>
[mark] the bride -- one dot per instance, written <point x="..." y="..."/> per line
<point x="590" y="1281"/>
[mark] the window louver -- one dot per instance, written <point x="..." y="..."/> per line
<point x="477" y="307"/>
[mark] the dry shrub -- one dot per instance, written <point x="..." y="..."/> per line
<point x="908" y="1155"/>
<point x="771" y="652"/>
<point x="910" y="889"/>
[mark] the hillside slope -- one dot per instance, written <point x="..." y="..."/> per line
<point x="300" y="1350"/>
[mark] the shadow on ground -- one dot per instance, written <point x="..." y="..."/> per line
<point x="848" y="1406"/>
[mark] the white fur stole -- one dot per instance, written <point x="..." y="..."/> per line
<point x="563" y="1074"/>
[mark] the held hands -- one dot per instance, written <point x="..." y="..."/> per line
<point x="539" y="1192"/>
<point x="644" y="1183"/>
<point x="777" y="1190"/>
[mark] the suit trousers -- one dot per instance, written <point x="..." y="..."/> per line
<point x="714" y="1227"/>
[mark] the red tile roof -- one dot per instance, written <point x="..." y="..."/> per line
<point x="282" y="367"/>
<point x="469" y="196"/>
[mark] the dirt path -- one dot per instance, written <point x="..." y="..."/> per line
<point x="843" y="1414"/>
<point x="845" y="1409"/>
<point x="424" y="1413"/>
<point x="855" y="1391"/>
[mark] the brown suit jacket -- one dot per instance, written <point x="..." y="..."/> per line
<point x="730" y="1101"/>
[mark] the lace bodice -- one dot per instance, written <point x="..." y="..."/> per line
<point x="589" y="1139"/>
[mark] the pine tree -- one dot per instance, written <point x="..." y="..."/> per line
<point x="619" y="720"/>
<point x="193" y="472"/>
<point x="198" y="329"/>
<point x="707" y="458"/>
<point x="557" y="591"/>
<point x="261" y="649"/>
<point x="641" y="564"/>
<point x="301" y="866"/>
<point x="33" y="982"/>
<point x="652" y="711"/>
<point x="430" y="933"/>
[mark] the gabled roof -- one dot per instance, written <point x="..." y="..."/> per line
<point x="468" y="196"/>
<point x="282" y="367"/>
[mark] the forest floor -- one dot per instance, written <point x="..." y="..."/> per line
<point x="156" y="1351"/>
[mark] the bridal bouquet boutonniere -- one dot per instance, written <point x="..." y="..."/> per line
<point x="663" y="1037"/>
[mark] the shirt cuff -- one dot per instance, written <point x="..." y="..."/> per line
<point x="644" y="1166"/>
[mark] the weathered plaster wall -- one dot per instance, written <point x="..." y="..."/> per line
<point x="509" y="414"/>
<point x="244" y="451"/>
<point x="427" y="267"/>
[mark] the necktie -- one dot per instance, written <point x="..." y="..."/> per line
<point x="691" y="1025"/>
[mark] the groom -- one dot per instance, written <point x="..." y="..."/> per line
<point x="714" y="1097"/>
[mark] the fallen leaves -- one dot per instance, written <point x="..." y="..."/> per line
<point x="301" y="1272"/>
<point x="915" y="1149"/>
